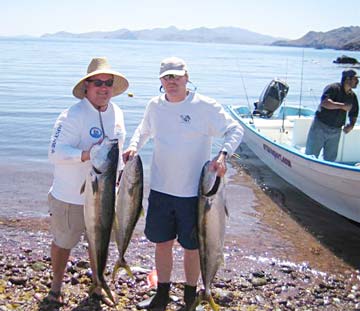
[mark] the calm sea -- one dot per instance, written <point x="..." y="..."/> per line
<point x="38" y="76"/>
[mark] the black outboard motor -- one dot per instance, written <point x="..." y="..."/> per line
<point x="271" y="98"/>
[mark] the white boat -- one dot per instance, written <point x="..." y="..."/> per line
<point x="280" y="143"/>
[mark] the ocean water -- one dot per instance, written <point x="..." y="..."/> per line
<point x="38" y="76"/>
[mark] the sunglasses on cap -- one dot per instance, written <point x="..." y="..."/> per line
<point x="171" y="77"/>
<point x="98" y="82"/>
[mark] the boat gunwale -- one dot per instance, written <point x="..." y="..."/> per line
<point x="293" y="151"/>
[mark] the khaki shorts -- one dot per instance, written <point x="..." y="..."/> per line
<point x="66" y="222"/>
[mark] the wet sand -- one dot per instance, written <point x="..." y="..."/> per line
<point x="282" y="249"/>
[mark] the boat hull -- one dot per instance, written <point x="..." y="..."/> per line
<point x="336" y="186"/>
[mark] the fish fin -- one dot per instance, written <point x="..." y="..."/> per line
<point x="95" y="185"/>
<point x="226" y="211"/>
<point x="142" y="212"/>
<point x="207" y="206"/>
<point x="118" y="182"/>
<point x="82" y="189"/>
<point x="120" y="174"/>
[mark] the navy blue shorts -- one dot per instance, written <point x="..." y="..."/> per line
<point x="170" y="217"/>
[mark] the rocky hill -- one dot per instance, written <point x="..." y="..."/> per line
<point x="344" y="38"/>
<point x="202" y="34"/>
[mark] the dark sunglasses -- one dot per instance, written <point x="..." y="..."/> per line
<point x="173" y="77"/>
<point x="98" y="82"/>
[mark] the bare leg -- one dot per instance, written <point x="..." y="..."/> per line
<point x="59" y="258"/>
<point x="164" y="261"/>
<point x="164" y="264"/>
<point x="191" y="266"/>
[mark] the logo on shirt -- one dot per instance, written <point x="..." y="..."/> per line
<point x="55" y="137"/>
<point x="95" y="132"/>
<point x="185" y="118"/>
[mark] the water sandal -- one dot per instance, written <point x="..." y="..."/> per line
<point x="54" y="298"/>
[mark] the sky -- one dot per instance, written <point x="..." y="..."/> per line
<point x="277" y="18"/>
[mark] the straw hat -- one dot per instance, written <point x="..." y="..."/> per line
<point x="99" y="65"/>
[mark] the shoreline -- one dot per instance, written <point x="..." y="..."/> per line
<point x="243" y="283"/>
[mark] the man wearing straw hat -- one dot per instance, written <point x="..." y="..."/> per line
<point x="76" y="130"/>
<point x="182" y="124"/>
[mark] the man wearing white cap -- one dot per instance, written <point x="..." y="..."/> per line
<point x="76" y="130"/>
<point x="182" y="124"/>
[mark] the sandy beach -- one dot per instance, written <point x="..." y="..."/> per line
<point x="274" y="259"/>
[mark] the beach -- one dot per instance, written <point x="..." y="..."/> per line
<point x="275" y="258"/>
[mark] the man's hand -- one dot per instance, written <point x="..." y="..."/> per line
<point x="128" y="154"/>
<point x="85" y="154"/>
<point x="347" y="128"/>
<point x="218" y="164"/>
<point x="347" y="108"/>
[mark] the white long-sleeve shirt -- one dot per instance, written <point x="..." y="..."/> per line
<point x="75" y="130"/>
<point x="182" y="134"/>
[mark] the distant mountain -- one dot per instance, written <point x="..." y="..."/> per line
<point x="344" y="38"/>
<point x="203" y="34"/>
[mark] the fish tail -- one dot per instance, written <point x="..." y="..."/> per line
<point x="108" y="291"/>
<point x="128" y="271"/>
<point x="122" y="264"/>
<point x="105" y="287"/>
<point x="213" y="304"/>
<point x="208" y="298"/>
<point x="116" y="268"/>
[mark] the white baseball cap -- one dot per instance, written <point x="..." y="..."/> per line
<point x="172" y="66"/>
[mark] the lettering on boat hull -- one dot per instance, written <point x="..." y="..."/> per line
<point x="277" y="155"/>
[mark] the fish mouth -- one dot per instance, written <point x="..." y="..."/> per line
<point x="214" y="188"/>
<point x="102" y="153"/>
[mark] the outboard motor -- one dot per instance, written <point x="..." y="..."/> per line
<point x="271" y="98"/>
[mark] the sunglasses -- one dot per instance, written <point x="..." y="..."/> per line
<point x="98" y="82"/>
<point x="173" y="77"/>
